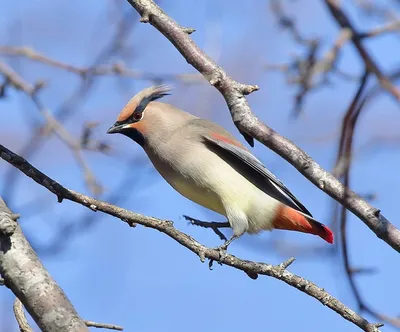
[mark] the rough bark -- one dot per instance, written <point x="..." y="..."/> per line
<point x="26" y="276"/>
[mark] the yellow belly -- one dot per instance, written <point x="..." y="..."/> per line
<point x="201" y="196"/>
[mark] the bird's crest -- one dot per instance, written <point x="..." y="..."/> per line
<point x="139" y="102"/>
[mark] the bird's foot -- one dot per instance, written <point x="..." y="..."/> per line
<point x="214" y="225"/>
<point x="222" y="250"/>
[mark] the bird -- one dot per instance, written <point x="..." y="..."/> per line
<point x="209" y="166"/>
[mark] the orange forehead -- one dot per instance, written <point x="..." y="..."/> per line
<point x="128" y="110"/>
<point x="142" y="99"/>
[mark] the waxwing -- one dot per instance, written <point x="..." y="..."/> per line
<point x="206" y="164"/>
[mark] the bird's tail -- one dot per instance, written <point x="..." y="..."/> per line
<point x="293" y="220"/>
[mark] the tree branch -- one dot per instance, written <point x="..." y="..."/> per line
<point x="30" y="287"/>
<point x="343" y="164"/>
<point x="32" y="92"/>
<point x="19" y="313"/>
<point x="89" y="323"/>
<point x="114" y="45"/>
<point x="25" y="275"/>
<point x="247" y="123"/>
<point x="342" y="19"/>
<point x="166" y="227"/>
<point x="117" y="68"/>
<point x="389" y="27"/>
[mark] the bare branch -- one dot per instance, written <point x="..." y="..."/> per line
<point x="20" y="316"/>
<point x="345" y="23"/>
<point x="71" y="104"/>
<point x="248" y="123"/>
<point x="342" y="169"/>
<point x="166" y="227"/>
<point x="328" y="61"/>
<point x="324" y="66"/>
<point x="103" y="326"/>
<point x="25" y="275"/>
<point x="286" y="22"/>
<point x="31" y="91"/>
<point x="25" y="327"/>
<point x="116" y="69"/>
<point x="311" y="73"/>
<point x="389" y="27"/>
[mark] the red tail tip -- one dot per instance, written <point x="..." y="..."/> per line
<point x="327" y="235"/>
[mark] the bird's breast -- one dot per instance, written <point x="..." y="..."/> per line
<point x="190" y="178"/>
<point x="197" y="193"/>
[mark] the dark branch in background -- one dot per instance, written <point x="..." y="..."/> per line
<point x="117" y="69"/>
<point x="68" y="229"/>
<point x="376" y="9"/>
<point x="251" y="268"/>
<point x="35" y="289"/>
<point x="86" y="141"/>
<point x="342" y="170"/>
<point x="342" y="19"/>
<point x="389" y="27"/>
<point x="306" y="70"/>
<point x="289" y="23"/>
<point x="88" y="75"/>
<point x="234" y="94"/>
<point x="303" y="68"/>
<point x="72" y="103"/>
<point x="18" y="83"/>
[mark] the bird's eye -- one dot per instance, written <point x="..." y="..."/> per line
<point x="137" y="116"/>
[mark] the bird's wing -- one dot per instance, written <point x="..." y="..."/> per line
<point x="251" y="168"/>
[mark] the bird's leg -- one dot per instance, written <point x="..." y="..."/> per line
<point x="214" y="225"/>
<point x="227" y="243"/>
<point x="222" y="248"/>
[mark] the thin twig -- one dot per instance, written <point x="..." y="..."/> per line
<point x="343" y="20"/>
<point x="24" y="326"/>
<point x="389" y="27"/>
<point x="70" y="105"/>
<point x="342" y="168"/>
<point x="19" y="313"/>
<point x="103" y="326"/>
<point x="116" y="69"/>
<point x="31" y="91"/>
<point x="286" y="22"/>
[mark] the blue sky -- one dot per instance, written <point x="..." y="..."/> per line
<point x="139" y="278"/>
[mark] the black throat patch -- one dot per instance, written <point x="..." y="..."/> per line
<point x="135" y="135"/>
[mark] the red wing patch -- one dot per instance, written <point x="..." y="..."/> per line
<point x="227" y="140"/>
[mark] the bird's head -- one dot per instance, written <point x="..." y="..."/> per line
<point x="133" y="120"/>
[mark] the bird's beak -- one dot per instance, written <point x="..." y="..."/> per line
<point x="116" y="128"/>
<point x="129" y="130"/>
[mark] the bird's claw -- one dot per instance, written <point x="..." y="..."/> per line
<point x="222" y="251"/>
<point x="222" y="248"/>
